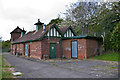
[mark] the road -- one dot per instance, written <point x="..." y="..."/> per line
<point x="38" y="69"/>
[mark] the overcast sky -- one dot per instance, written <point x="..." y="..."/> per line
<point x="24" y="13"/>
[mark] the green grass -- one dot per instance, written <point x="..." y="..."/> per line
<point x="112" y="68"/>
<point x="53" y="64"/>
<point x="96" y="66"/>
<point x="0" y="66"/>
<point x="5" y="72"/>
<point x="7" y="66"/>
<point x="111" y="56"/>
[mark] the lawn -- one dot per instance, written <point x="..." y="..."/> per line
<point x="0" y="66"/>
<point x="5" y="69"/>
<point x="111" y="56"/>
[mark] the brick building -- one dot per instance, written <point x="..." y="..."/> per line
<point x="53" y="42"/>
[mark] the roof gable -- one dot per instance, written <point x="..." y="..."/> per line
<point x="64" y="29"/>
<point x="54" y="31"/>
<point x="17" y="30"/>
<point x="55" y="26"/>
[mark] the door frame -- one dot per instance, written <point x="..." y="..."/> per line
<point x="77" y="50"/>
<point x="50" y="49"/>
<point x="25" y="49"/>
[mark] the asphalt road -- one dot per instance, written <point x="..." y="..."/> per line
<point x="34" y="69"/>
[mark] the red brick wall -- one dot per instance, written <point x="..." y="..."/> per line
<point x="21" y="48"/>
<point x="81" y="48"/>
<point x="46" y="44"/>
<point x="14" y="47"/>
<point x="18" y="47"/>
<point x="92" y="46"/>
<point x="14" y="36"/>
<point x="85" y="48"/>
<point x="66" y="47"/>
<point x="34" y="48"/>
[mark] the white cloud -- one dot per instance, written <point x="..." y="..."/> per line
<point x="24" y="13"/>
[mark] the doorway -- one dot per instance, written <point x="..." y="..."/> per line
<point x="25" y="49"/>
<point x="52" y="50"/>
<point x="74" y="49"/>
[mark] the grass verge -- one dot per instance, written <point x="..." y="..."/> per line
<point x="0" y="66"/>
<point x="6" y="69"/>
<point x="111" y="56"/>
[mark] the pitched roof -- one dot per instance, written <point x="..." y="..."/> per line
<point x="63" y="29"/>
<point x="18" y="30"/>
<point x="32" y="35"/>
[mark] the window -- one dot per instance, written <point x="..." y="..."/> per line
<point x="67" y="33"/>
<point x="51" y="32"/>
<point x="57" y="33"/>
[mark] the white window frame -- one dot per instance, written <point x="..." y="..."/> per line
<point x="57" y="34"/>
<point x="51" y="32"/>
<point x="67" y="33"/>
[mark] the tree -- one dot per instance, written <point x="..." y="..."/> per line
<point x="5" y="46"/>
<point x="91" y="17"/>
<point x="81" y="15"/>
<point x="115" y="38"/>
<point x="56" y="21"/>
